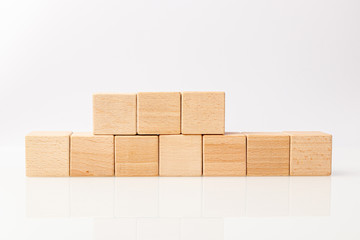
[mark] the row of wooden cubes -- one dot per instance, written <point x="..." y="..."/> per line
<point x="232" y="154"/>
<point x="159" y="113"/>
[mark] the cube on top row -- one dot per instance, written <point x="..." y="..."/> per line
<point x="159" y="113"/>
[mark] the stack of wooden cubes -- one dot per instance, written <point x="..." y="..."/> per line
<point x="173" y="134"/>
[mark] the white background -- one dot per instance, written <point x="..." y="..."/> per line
<point x="284" y="65"/>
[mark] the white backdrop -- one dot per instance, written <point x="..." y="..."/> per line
<point x="285" y="65"/>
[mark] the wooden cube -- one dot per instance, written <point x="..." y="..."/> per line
<point x="203" y="113"/>
<point x="268" y="154"/>
<point x="136" y="155"/>
<point x="47" y="154"/>
<point x="180" y="155"/>
<point x="158" y="113"/>
<point x="310" y="153"/>
<point x="114" y="113"/>
<point x="91" y="155"/>
<point x="224" y="155"/>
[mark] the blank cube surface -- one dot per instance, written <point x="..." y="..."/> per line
<point x="203" y="113"/>
<point x="180" y="155"/>
<point x="114" y="113"/>
<point x="158" y="113"/>
<point x="91" y="155"/>
<point x="47" y="154"/>
<point x="268" y="154"/>
<point x="224" y="155"/>
<point x="310" y="153"/>
<point x="136" y="155"/>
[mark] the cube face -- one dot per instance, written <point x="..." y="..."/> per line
<point x="180" y="155"/>
<point x="47" y="154"/>
<point x="158" y="113"/>
<point x="114" y="113"/>
<point x="310" y="153"/>
<point x="268" y="154"/>
<point x="203" y="113"/>
<point x="224" y="155"/>
<point x="136" y="156"/>
<point x="91" y="155"/>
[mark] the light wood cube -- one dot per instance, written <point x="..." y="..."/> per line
<point x="47" y="154"/>
<point x="203" y="113"/>
<point x="224" y="155"/>
<point x="310" y="153"/>
<point x="158" y="113"/>
<point x="136" y="155"/>
<point x="268" y="154"/>
<point x="114" y="113"/>
<point x="180" y="155"/>
<point x="91" y="155"/>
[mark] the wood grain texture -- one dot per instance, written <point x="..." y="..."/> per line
<point x="47" y="154"/>
<point x="203" y="113"/>
<point x="158" y="113"/>
<point x="224" y="155"/>
<point x="268" y="154"/>
<point x="114" y="113"/>
<point x="180" y="155"/>
<point x="91" y="155"/>
<point x="136" y="156"/>
<point x="310" y="153"/>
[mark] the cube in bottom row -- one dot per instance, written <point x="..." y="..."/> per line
<point x="253" y="154"/>
<point x="180" y="155"/>
<point x="310" y="153"/>
<point x="47" y="154"/>
<point x="224" y="155"/>
<point x="136" y="155"/>
<point x="267" y="154"/>
<point x="91" y="155"/>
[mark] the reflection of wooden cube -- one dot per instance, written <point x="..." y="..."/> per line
<point x="224" y="155"/>
<point x="310" y="153"/>
<point x="92" y="197"/>
<point x="114" y="113"/>
<point x="267" y="154"/>
<point x="203" y="113"/>
<point x="136" y="155"/>
<point x="91" y="155"/>
<point x="47" y="154"/>
<point x="310" y="196"/>
<point x="158" y="113"/>
<point x="180" y="155"/>
<point x="267" y="197"/>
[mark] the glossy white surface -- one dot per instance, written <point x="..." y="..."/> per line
<point x="181" y="208"/>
